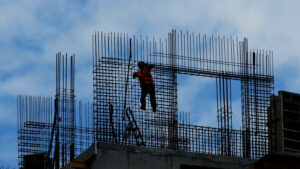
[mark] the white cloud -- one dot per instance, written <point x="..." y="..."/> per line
<point x="37" y="81"/>
<point x="196" y="96"/>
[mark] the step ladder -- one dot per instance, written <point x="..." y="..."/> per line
<point x="132" y="127"/>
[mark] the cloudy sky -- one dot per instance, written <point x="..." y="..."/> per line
<point x="32" y="31"/>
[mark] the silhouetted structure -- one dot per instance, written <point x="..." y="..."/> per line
<point x="49" y="134"/>
<point x="285" y="122"/>
<point x="225" y="59"/>
<point x="59" y="129"/>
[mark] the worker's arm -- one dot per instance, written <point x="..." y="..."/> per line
<point x="150" y="66"/>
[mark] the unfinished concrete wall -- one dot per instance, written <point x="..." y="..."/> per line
<point x="124" y="157"/>
<point x="285" y="122"/>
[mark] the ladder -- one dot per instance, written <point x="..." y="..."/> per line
<point x="132" y="127"/>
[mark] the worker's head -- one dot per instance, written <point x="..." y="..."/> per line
<point x="141" y="65"/>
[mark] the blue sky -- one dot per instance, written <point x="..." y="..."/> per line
<point x="31" y="32"/>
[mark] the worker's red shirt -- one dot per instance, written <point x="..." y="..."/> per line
<point x="145" y="76"/>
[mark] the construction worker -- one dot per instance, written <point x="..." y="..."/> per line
<point x="146" y="83"/>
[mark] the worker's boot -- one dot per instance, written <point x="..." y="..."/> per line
<point x="143" y="107"/>
<point x="154" y="109"/>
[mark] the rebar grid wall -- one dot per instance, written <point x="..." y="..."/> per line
<point x="53" y="131"/>
<point x="84" y="127"/>
<point x="35" y="115"/>
<point x="113" y="76"/>
<point x="117" y="115"/>
<point x="35" y="127"/>
<point x="64" y="124"/>
<point x="256" y="99"/>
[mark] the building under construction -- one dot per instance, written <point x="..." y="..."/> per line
<point x="54" y="130"/>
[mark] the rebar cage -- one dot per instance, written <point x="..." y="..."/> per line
<point x="52" y="132"/>
<point x="117" y="115"/>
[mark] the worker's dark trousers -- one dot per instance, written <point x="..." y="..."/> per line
<point x="148" y="88"/>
